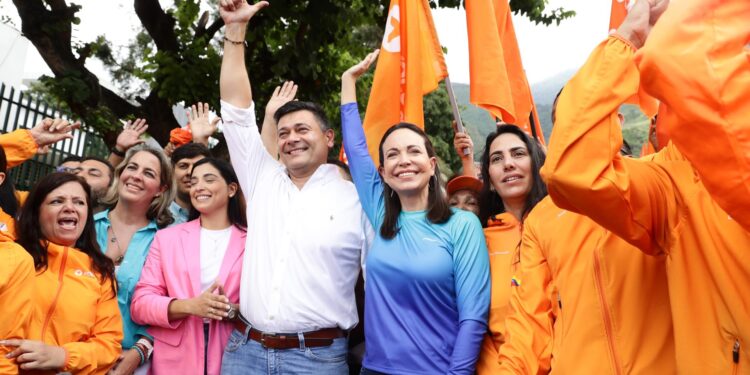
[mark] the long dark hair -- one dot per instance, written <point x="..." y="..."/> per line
<point x="8" y="201"/>
<point x="490" y="203"/>
<point x="30" y="234"/>
<point x="438" y="209"/>
<point x="236" y="205"/>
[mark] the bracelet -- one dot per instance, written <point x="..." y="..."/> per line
<point x="146" y="345"/>
<point x="117" y="152"/>
<point x="140" y="354"/>
<point x="236" y="43"/>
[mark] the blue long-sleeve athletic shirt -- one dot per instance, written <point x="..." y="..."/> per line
<point x="427" y="290"/>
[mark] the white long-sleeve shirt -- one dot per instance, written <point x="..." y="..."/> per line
<point x="304" y="246"/>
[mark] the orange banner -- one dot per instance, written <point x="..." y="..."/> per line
<point x="498" y="81"/>
<point x="410" y="65"/>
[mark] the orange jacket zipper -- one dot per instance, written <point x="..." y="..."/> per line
<point x="605" y="311"/>
<point x="57" y="294"/>
<point x="736" y="356"/>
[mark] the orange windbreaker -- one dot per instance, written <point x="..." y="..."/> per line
<point x="659" y="206"/>
<point x="503" y="235"/>
<point x="16" y="286"/>
<point x="596" y="318"/>
<point x="74" y="309"/>
<point x="697" y="60"/>
<point x="19" y="146"/>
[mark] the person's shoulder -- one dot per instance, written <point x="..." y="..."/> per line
<point x="462" y="219"/>
<point x="14" y="256"/>
<point x="176" y="230"/>
<point x="101" y="216"/>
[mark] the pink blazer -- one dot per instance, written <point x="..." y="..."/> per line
<point x="172" y="271"/>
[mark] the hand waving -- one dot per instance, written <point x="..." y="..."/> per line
<point x="361" y="67"/>
<point x="49" y="131"/>
<point x="640" y="19"/>
<point x="281" y="95"/>
<point x="200" y="127"/>
<point x="131" y="134"/>
<point x="239" y="11"/>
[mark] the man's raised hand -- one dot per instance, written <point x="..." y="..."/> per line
<point x="239" y="11"/>
<point x="281" y="95"/>
<point x="361" y="67"/>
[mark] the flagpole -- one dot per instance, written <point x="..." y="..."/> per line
<point x="454" y="107"/>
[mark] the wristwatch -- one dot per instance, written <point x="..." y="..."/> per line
<point x="232" y="313"/>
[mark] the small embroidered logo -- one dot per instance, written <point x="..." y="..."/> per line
<point x="514" y="281"/>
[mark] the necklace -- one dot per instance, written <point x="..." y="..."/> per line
<point x="113" y="239"/>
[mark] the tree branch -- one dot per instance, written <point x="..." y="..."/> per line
<point x="158" y="24"/>
<point x="211" y="30"/>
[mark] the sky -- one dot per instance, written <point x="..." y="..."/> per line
<point x="545" y="50"/>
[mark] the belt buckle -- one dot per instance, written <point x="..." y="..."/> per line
<point x="263" y="336"/>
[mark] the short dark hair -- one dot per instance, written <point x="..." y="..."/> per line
<point x="189" y="151"/>
<point x="438" y="209"/>
<point x="490" y="203"/>
<point x="69" y="158"/>
<point x="103" y="161"/>
<point x="236" y="205"/>
<point x="30" y="234"/>
<point x="296" y="106"/>
<point x="8" y="201"/>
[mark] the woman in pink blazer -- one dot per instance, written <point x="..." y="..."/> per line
<point x="190" y="283"/>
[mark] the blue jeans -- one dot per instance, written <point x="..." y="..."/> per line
<point x="243" y="356"/>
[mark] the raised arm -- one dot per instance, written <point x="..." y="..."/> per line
<point x="464" y="147"/>
<point x="585" y="172"/>
<point x="364" y="173"/>
<point x="249" y="158"/>
<point x="696" y="62"/>
<point x="22" y="144"/>
<point x="268" y="132"/>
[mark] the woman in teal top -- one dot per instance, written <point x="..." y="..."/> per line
<point x="139" y="204"/>
<point x="427" y="289"/>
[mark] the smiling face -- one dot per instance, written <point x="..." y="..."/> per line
<point x="407" y="168"/>
<point x="303" y="145"/>
<point x="63" y="213"/>
<point x="140" y="180"/>
<point x="209" y="191"/>
<point x="182" y="175"/>
<point x="510" y="167"/>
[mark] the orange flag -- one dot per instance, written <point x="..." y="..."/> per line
<point x="649" y="106"/>
<point x="410" y="65"/>
<point x="498" y="81"/>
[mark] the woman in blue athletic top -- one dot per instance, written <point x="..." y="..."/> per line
<point x="427" y="288"/>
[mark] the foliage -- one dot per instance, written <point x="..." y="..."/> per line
<point x="175" y="57"/>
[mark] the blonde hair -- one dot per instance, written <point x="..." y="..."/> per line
<point x="159" y="208"/>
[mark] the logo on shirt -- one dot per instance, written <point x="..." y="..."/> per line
<point x="514" y="281"/>
<point x="80" y="273"/>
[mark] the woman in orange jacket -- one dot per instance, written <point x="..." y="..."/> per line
<point x="513" y="186"/>
<point x="75" y="323"/>
<point x="16" y="287"/>
<point x="660" y="205"/>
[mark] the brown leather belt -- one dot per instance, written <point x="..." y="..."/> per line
<point x="314" y="339"/>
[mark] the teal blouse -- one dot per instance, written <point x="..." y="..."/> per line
<point x="128" y="273"/>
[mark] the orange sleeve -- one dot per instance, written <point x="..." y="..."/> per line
<point x="101" y="350"/>
<point x="697" y="61"/>
<point x="528" y="326"/>
<point x="19" y="146"/>
<point x="16" y="283"/>
<point x="584" y="170"/>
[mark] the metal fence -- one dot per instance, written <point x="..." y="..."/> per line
<point x="20" y="111"/>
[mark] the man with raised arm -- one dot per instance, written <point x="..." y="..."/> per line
<point x="306" y="229"/>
